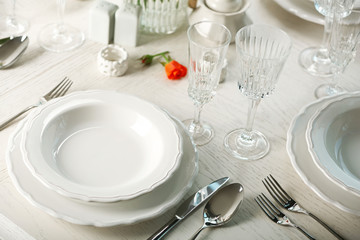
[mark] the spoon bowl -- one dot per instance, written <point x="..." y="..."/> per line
<point x="11" y="50"/>
<point x="222" y="207"/>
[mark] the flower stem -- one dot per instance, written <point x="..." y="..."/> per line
<point x="162" y="53"/>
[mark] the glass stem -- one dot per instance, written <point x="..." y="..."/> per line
<point x="334" y="82"/>
<point x="253" y="104"/>
<point x="12" y="14"/>
<point x="61" y="10"/>
<point x="11" y="19"/>
<point x="198" y="109"/>
<point x="327" y="31"/>
<point x="323" y="54"/>
<point x="246" y="136"/>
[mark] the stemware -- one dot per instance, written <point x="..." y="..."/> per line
<point x="342" y="50"/>
<point x="208" y="44"/>
<point x="12" y="25"/>
<point x="316" y="60"/>
<point x="261" y="53"/>
<point x="60" y="37"/>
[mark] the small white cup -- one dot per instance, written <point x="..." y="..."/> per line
<point x="113" y="60"/>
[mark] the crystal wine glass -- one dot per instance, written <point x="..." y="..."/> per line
<point x="208" y="44"/>
<point x="342" y="49"/>
<point x="12" y="25"/>
<point x="60" y="37"/>
<point x="316" y="60"/>
<point x="261" y="53"/>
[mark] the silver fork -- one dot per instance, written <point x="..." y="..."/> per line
<point x="280" y="196"/>
<point x="58" y="91"/>
<point x="276" y="215"/>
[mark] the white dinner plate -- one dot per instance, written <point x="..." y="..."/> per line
<point x="304" y="9"/>
<point x="306" y="168"/>
<point x="126" y="212"/>
<point x="101" y="146"/>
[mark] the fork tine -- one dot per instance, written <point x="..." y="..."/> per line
<point x="59" y="90"/>
<point x="273" y="193"/>
<point x="56" y="87"/>
<point x="64" y="89"/>
<point x="279" y="187"/>
<point x="273" y="207"/>
<point x="264" y="207"/>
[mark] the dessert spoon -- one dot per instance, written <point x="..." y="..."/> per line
<point x="222" y="207"/>
<point x="12" y="49"/>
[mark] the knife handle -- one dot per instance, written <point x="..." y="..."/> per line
<point x="165" y="229"/>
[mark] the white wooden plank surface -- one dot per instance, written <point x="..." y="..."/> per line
<point x="38" y="70"/>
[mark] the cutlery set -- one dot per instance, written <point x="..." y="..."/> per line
<point x="223" y="203"/>
<point x="284" y="200"/>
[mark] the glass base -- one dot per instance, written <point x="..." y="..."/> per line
<point x="242" y="145"/>
<point x="60" y="38"/>
<point x="12" y="27"/>
<point x="316" y="62"/>
<point x="201" y="134"/>
<point x="326" y="90"/>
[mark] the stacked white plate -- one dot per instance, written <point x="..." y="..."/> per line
<point x="323" y="143"/>
<point x="102" y="158"/>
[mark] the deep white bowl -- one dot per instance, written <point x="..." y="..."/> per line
<point x="144" y="207"/>
<point x="333" y="137"/>
<point x="101" y="146"/>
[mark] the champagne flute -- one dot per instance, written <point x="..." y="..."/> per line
<point x="12" y="25"/>
<point x="261" y="53"/>
<point x="60" y="37"/>
<point x="316" y="60"/>
<point x="342" y="49"/>
<point x="208" y="44"/>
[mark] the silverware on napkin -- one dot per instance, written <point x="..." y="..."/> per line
<point x="187" y="207"/>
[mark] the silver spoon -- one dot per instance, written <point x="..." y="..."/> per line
<point x="222" y="207"/>
<point x="11" y="50"/>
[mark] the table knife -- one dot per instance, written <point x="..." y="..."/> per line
<point x="191" y="204"/>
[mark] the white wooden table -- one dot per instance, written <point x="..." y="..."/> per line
<point x="38" y="71"/>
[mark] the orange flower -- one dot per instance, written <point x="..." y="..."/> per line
<point x="175" y="70"/>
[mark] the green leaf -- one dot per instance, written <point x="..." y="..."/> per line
<point x="4" y="40"/>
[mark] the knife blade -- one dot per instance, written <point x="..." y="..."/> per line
<point x="189" y="205"/>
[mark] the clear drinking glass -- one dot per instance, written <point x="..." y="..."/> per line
<point x="342" y="49"/>
<point x="60" y="37"/>
<point x="208" y="44"/>
<point x="261" y="53"/>
<point x="316" y="60"/>
<point x="12" y="25"/>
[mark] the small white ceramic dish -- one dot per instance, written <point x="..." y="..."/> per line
<point x="304" y="9"/>
<point x="233" y="20"/>
<point x="101" y="146"/>
<point x="147" y="206"/>
<point x="306" y="168"/>
<point x="333" y="138"/>
<point x="225" y="6"/>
